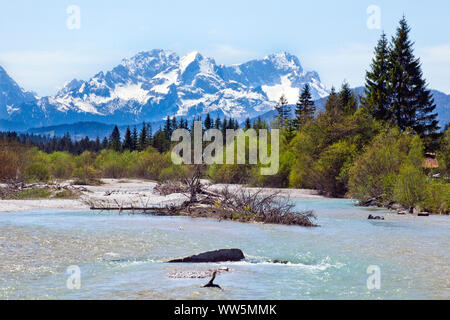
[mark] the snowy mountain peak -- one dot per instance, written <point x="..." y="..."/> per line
<point x="155" y="84"/>
<point x="192" y="58"/>
<point x="189" y="58"/>
<point x="147" y="63"/>
<point x="194" y="66"/>
<point x="285" y="61"/>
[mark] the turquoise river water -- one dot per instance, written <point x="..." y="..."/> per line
<point x="123" y="256"/>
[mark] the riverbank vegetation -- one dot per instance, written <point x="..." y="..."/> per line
<point x="36" y="191"/>
<point x="384" y="148"/>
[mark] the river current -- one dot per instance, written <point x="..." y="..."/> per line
<point x="123" y="256"/>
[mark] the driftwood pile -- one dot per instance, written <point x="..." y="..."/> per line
<point x="170" y="187"/>
<point x="240" y="205"/>
<point x="10" y="190"/>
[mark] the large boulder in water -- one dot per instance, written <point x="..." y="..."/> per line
<point x="371" y="217"/>
<point x="222" y="255"/>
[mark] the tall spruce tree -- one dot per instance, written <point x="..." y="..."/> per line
<point x="142" y="142"/>
<point x="236" y="124"/>
<point x="377" y="97"/>
<point x="333" y="105"/>
<point x="412" y="103"/>
<point x="149" y="134"/>
<point x="134" y="139"/>
<point x="305" y="107"/>
<point x="160" y="141"/>
<point x="168" y="127"/>
<point x="208" y="122"/>
<point x="98" y="145"/>
<point x="347" y="99"/>
<point x="248" y="124"/>
<point x="114" y="140"/>
<point x="181" y="124"/>
<point x="259" y="124"/>
<point x="105" y="143"/>
<point x="223" y="129"/>
<point x="217" y="123"/>
<point x="283" y="111"/>
<point x="174" y="125"/>
<point x="128" y="140"/>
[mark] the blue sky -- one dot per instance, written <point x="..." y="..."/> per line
<point x="41" y="53"/>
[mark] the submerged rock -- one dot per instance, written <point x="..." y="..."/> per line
<point x="222" y="255"/>
<point x="394" y="206"/>
<point x="423" y="214"/>
<point x="370" y="203"/>
<point x="371" y="217"/>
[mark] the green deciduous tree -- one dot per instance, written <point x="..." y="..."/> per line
<point x="443" y="154"/>
<point x="374" y="173"/>
<point x="330" y="173"/>
<point x="410" y="186"/>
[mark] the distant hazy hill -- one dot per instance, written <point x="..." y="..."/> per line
<point x="442" y="101"/>
<point x="77" y="130"/>
<point x="6" y="125"/>
<point x="92" y="130"/>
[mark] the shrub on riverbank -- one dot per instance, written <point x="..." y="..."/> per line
<point x="32" y="165"/>
<point x="409" y="189"/>
<point x="391" y="170"/>
<point x="37" y="191"/>
<point x="10" y="165"/>
<point x="437" y="197"/>
<point x="443" y="154"/>
<point x="374" y="173"/>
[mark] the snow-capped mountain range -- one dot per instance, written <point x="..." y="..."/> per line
<point x="153" y="85"/>
<point x="11" y="95"/>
